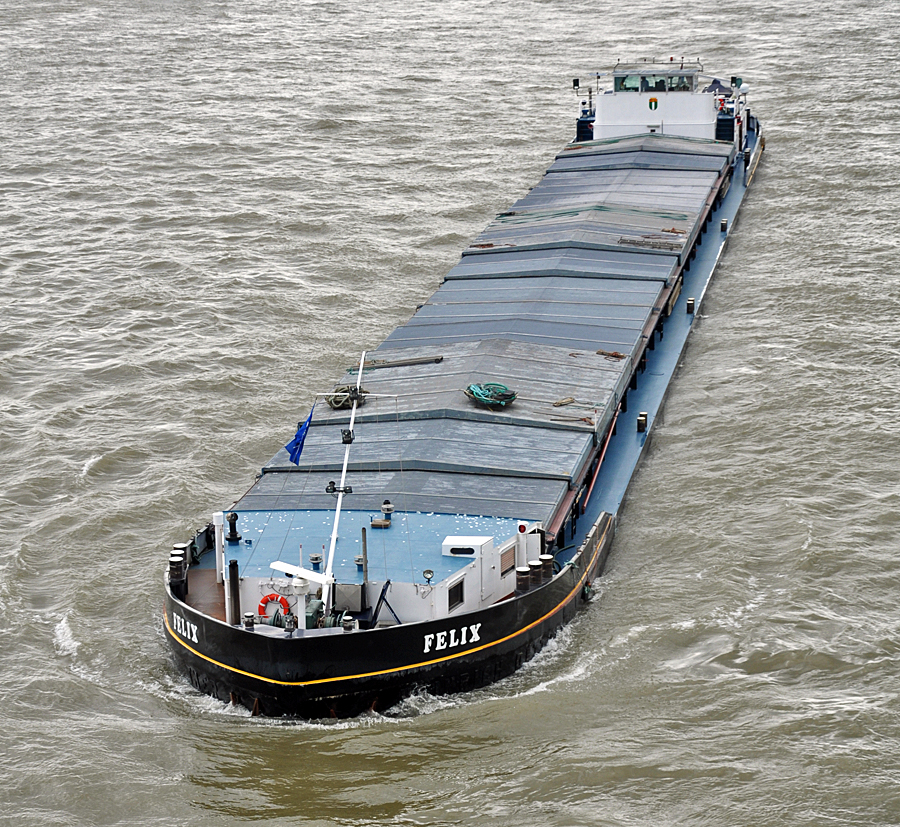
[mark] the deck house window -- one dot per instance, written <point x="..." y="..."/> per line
<point x="456" y="595"/>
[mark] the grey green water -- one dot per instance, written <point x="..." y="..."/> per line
<point x="208" y="209"/>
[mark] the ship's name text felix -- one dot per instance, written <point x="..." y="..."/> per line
<point x="453" y="638"/>
<point x="187" y="630"/>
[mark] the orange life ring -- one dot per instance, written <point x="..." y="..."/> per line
<point x="273" y="597"/>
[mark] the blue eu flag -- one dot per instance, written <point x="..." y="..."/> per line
<point x="295" y="446"/>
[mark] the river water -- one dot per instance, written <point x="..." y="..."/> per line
<point x="210" y="208"/>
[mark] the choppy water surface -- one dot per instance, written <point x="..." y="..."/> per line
<point x="209" y="209"/>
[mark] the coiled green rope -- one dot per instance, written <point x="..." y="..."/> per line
<point x="490" y="394"/>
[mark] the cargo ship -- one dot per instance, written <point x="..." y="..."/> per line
<point x="448" y="503"/>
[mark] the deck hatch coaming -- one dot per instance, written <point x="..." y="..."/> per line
<point x="658" y="143"/>
<point x="593" y="336"/>
<point x="632" y="211"/>
<point x="611" y="195"/>
<point x="449" y="445"/>
<point x="562" y="261"/>
<point x="542" y="375"/>
<point x="639" y="160"/>
<point x="416" y="491"/>
<point x="614" y="196"/>
<point x="577" y="314"/>
<point x="606" y="295"/>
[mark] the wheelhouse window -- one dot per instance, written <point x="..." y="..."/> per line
<point x="456" y="595"/>
<point x="681" y="83"/>
<point x="627" y="83"/>
<point x="653" y="83"/>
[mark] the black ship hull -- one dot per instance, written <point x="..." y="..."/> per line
<point x="342" y="674"/>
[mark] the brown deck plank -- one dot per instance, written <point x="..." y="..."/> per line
<point x="204" y="594"/>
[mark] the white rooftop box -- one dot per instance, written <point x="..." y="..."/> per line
<point x="467" y="547"/>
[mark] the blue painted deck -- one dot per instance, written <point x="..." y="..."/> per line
<point x="399" y="553"/>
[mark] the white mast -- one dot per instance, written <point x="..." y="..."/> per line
<point x="329" y="566"/>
